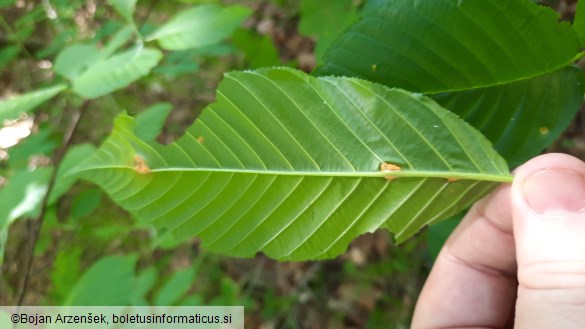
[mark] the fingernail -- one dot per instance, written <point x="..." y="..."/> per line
<point x="552" y="191"/>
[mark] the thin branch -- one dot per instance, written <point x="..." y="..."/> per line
<point x="255" y="277"/>
<point x="63" y="243"/>
<point x="4" y="24"/>
<point x="38" y="223"/>
<point x="150" y="10"/>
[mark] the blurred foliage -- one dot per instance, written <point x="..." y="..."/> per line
<point x="90" y="251"/>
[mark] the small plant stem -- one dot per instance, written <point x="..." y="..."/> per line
<point x="8" y="29"/>
<point x="38" y="223"/>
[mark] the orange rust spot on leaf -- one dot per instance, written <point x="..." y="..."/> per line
<point x="140" y="165"/>
<point x="452" y="179"/>
<point x="389" y="167"/>
<point x="200" y="139"/>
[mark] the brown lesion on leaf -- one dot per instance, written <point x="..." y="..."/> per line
<point x="385" y="166"/>
<point x="140" y="165"/>
<point x="200" y="139"/>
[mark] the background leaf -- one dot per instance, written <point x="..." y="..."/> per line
<point x="325" y="19"/>
<point x="65" y="272"/>
<point x="175" y="287"/>
<point x="84" y="203"/>
<point x="179" y="62"/>
<point x="523" y="117"/>
<point x="10" y="108"/>
<point x="288" y="164"/>
<point x="110" y="281"/>
<point x="24" y="193"/>
<point x="579" y="23"/>
<point x="8" y="54"/>
<point x="200" y="26"/>
<point x="116" y="72"/>
<point x="438" y="234"/>
<point x="144" y="283"/>
<point x="439" y="46"/>
<point x="121" y="37"/>
<point x="41" y="143"/>
<point x="514" y="86"/>
<point x="6" y="3"/>
<point x="125" y="8"/>
<point x="149" y="123"/>
<point x="74" y="156"/>
<point x="20" y="197"/>
<point x="259" y="49"/>
<point x="75" y="59"/>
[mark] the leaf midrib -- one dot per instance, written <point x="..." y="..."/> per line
<point x="452" y="175"/>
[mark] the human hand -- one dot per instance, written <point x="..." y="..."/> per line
<point x="517" y="260"/>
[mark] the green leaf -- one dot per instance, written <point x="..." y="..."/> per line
<point x="29" y="187"/>
<point x="125" y="8"/>
<point x="325" y="19"/>
<point x="118" y="40"/>
<point x="290" y="165"/>
<point x="215" y="50"/>
<point x="116" y="72"/>
<point x="22" y="195"/>
<point x="57" y="43"/>
<point x="75" y="59"/>
<point x="10" y="108"/>
<point x="41" y="143"/>
<point x="523" y="117"/>
<point x="50" y="223"/>
<point x="194" y="300"/>
<point x="108" y="29"/>
<point x="514" y="86"/>
<point x="438" y="234"/>
<point x="175" y="287"/>
<point x="8" y="54"/>
<point x="24" y="32"/>
<point x="66" y="271"/>
<point x="450" y="45"/>
<point x="108" y="282"/>
<point x="579" y="23"/>
<point x="200" y="26"/>
<point x="199" y="2"/>
<point x="178" y="62"/>
<point x="259" y="49"/>
<point x="372" y="5"/>
<point x="6" y="3"/>
<point x="149" y="123"/>
<point x="85" y="203"/>
<point x="63" y="182"/>
<point x="144" y="283"/>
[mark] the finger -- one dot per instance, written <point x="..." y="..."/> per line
<point x="473" y="281"/>
<point x="549" y="227"/>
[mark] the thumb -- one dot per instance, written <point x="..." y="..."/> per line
<point x="548" y="202"/>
